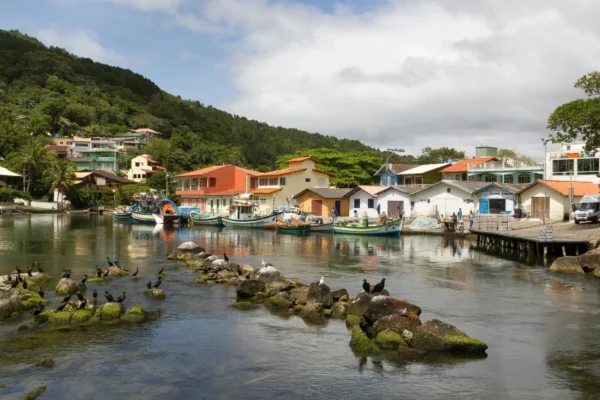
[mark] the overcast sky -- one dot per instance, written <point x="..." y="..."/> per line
<point x="391" y="73"/>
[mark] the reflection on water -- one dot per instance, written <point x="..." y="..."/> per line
<point x="541" y="328"/>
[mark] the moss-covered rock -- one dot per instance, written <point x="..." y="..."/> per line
<point x="34" y="394"/>
<point x="319" y="294"/>
<point x="81" y="316"/>
<point x="249" y="288"/>
<point x="111" y="311"/>
<point x="352" y="321"/>
<point x="359" y="305"/>
<point x="23" y="327"/>
<point x="155" y="293"/>
<point x="436" y="335"/>
<point x="134" y="314"/>
<point x="312" y="311"/>
<point x="278" y="303"/>
<point x="46" y="362"/>
<point x="327" y="312"/>
<point x="397" y="323"/>
<point x="202" y="278"/>
<point x="298" y="295"/>
<point x="10" y="302"/>
<point x="66" y="286"/>
<point x="380" y="306"/>
<point x="567" y="265"/>
<point x="339" y="310"/>
<point x="360" y="343"/>
<point x="298" y="309"/>
<point x="32" y="300"/>
<point x="338" y="294"/>
<point x="274" y="288"/>
<point x="59" y="318"/>
<point x="389" y="340"/>
<point x="244" y="305"/>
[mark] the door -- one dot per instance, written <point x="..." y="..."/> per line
<point x="484" y="206"/>
<point x="537" y="207"/>
<point x="317" y="207"/>
<point x="394" y="208"/>
<point x="338" y="207"/>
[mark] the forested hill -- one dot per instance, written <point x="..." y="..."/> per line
<point x="61" y="93"/>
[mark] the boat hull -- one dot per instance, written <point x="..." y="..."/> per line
<point x="121" y="216"/>
<point x="252" y="223"/>
<point x="196" y="219"/>
<point x="168" y="211"/>
<point x="390" y="229"/>
<point x="327" y="228"/>
<point x="143" y="218"/>
<point x="294" y="229"/>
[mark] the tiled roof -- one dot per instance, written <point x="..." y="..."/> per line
<point x="300" y="159"/>
<point x="280" y="172"/>
<point x="371" y="190"/>
<point x="265" y="191"/>
<point x="199" y="172"/>
<point x="326" y="193"/>
<point x="57" y="148"/>
<point x="461" y="166"/>
<point x="323" y="172"/>
<point x="562" y="187"/>
<point x="422" y="169"/>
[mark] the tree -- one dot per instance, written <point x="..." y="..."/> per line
<point x="81" y="198"/>
<point x="157" y="180"/>
<point x="579" y="119"/>
<point x="442" y="155"/>
<point x="60" y="175"/>
<point x="32" y="158"/>
<point x="510" y="154"/>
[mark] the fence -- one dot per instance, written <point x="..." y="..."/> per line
<point x="492" y="222"/>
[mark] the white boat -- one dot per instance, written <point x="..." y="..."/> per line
<point x="242" y="215"/>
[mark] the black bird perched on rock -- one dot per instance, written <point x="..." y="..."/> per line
<point x="41" y="293"/>
<point x="379" y="287"/>
<point x="161" y="271"/>
<point x="29" y="271"/>
<point x="25" y="284"/>
<point x="18" y="270"/>
<point x="14" y="283"/>
<point x="40" y="270"/>
<point x="110" y="264"/>
<point x="84" y="280"/>
<point x="121" y="298"/>
<point x="105" y="274"/>
<point x="66" y="273"/>
<point x="80" y="296"/>
<point x="136" y="272"/>
<point x="366" y="286"/>
<point x="157" y="283"/>
<point x="66" y="299"/>
<point x="8" y="279"/>
<point x="225" y="257"/>
<point x="61" y="307"/>
<point x="108" y="296"/>
<point x="149" y="285"/>
<point x="95" y="294"/>
<point x="98" y="271"/>
<point x="82" y="304"/>
<point x="38" y="310"/>
<point x="19" y="278"/>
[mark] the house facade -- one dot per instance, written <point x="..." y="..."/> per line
<point x="388" y="174"/>
<point x="320" y="201"/>
<point x="212" y="189"/>
<point x="395" y="200"/>
<point x="142" y="167"/>
<point x="504" y="171"/>
<point x="422" y="175"/>
<point x="10" y="180"/>
<point x="274" y="189"/>
<point x="459" y="171"/>
<point x="98" y="180"/>
<point x="495" y="198"/>
<point x="444" y="198"/>
<point x="96" y="159"/>
<point x="572" y="162"/>
<point x="363" y="200"/>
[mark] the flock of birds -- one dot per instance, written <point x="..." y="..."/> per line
<point x="66" y="273"/>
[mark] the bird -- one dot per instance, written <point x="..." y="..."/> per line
<point x="108" y="296"/>
<point x="366" y="286"/>
<point x="117" y="264"/>
<point x="225" y="257"/>
<point x="121" y="298"/>
<point x="38" y="310"/>
<point x="29" y="271"/>
<point x="19" y="278"/>
<point x="66" y="273"/>
<point x="379" y="287"/>
<point x="66" y="299"/>
<point x="95" y="294"/>
<point x="40" y="270"/>
<point x="25" y="284"/>
<point x="98" y="271"/>
<point x="136" y="272"/>
<point x="157" y="283"/>
<point x="321" y="281"/>
<point x="110" y="264"/>
<point x="14" y="284"/>
<point x="149" y="285"/>
<point x="161" y="271"/>
<point x="80" y="296"/>
<point x="9" y="278"/>
<point x="18" y="270"/>
<point x="105" y="274"/>
<point x="266" y="264"/>
<point x="84" y="280"/>
<point x="61" y="307"/>
<point x="82" y="304"/>
<point x="41" y="293"/>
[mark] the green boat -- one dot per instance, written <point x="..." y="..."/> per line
<point x="205" y="220"/>
<point x="392" y="228"/>
<point x="297" y="229"/>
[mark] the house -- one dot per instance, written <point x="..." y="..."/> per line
<point x="143" y="166"/>
<point x="422" y="175"/>
<point x="388" y="174"/>
<point x="444" y="198"/>
<point x="98" y="180"/>
<point x="75" y="142"/>
<point x="96" y="159"/>
<point x="553" y="197"/>
<point x="135" y="139"/>
<point x="495" y="198"/>
<point x="572" y="162"/>
<point x="320" y="201"/>
<point x="459" y="171"/>
<point x="363" y="199"/>
<point x="10" y="180"/>
<point x="61" y="151"/>
<point x="213" y="188"/>
<point x="395" y="200"/>
<point x="274" y="189"/>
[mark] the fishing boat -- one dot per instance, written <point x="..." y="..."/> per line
<point x="153" y="208"/>
<point x="391" y="228"/>
<point x="167" y="211"/>
<point x="242" y="215"/>
<point x="122" y="214"/>
<point x="326" y="228"/>
<point x="197" y="218"/>
<point x="294" y="226"/>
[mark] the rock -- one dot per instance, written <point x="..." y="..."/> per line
<point x="59" y="318"/>
<point x="319" y="294"/>
<point x="66" y="286"/>
<point x="249" y="288"/>
<point x="273" y="288"/>
<point x="134" y="314"/>
<point x="389" y="340"/>
<point x="46" y="363"/>
<point x="312" y="311"/>
<point x="397" y="323"/>
<point x="339" y="310"/>
<point x="380" y="306"/>
<point x="327" y="313"/>
<point x="80" y="317"/>
<point x="360" y="343"/>
<point x="338" y="294"/>
<point x="23" y="327"/>
<point x="352" y="321"/>
<point x="202" y="278"/>
<point x="298" y="309"/>
<point x="10" y="302"/>
<point x="185" y="248"/>
<point x="344" y="298"/>
<point x="360" y="304"/>
<point x="298" y="295"/>
<point x="592" y="262"/>
<point x="31" y="300"/>
<point x="277" y="304"/>
<point x="244" y="305"/>
<point x="247" y="270"/>
<point x="116" y="272"/>
<point x="111" y="311"/>
<point x="155" y="293"/>
<point x="567" y="265"/>
<point x="34" y="394"/>
<point x="436" y="335"/>
<point x="268" y="274"/>
<point x="259" y="297"/>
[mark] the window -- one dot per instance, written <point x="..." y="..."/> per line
<point x="524" y="179"/>
<point x="356" y="203"/>
<point x="255" y="198"/>
<point x="186" y="184"/>
<point x="371" y="203"/>
<point x="218" y="201"/>
<point x="282" y="181"/>
<point x="508" y="179"/>
<point x="212" y="182"/>
<point x="321" y="182"/>
<point x="137" y="164"/>
<point x="273" y="181"/>
<point x="418" y="180"/>
<point x="263" y="182"/>
<point x="490" y="178"/>
<point x="193" y="202"/>
<point x="224" y="203"/>
<point x="457" y="177"/>
<point x="587" y="166"/>
<point x="263" y="201"/>
<point x="185" y="202"/>
<point x="307" y="180"/>
<point x="562" y="167"/>
<point x="408" y="181"/>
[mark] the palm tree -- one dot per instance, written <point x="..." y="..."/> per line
<point x="32" y="157"/>
<point x="60" y="175"/>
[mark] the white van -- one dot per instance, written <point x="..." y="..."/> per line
<point x="588" y="209"/>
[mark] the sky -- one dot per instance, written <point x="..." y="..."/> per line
<point x="390" y="73"/>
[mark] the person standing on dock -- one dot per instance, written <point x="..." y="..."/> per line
<point x="333" y="214"/>
<point x="459" y="214"/>
<point x="471" y="219"/>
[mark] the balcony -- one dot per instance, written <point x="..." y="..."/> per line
<point x="502" y="167"/>
<point x="106" y="159"/>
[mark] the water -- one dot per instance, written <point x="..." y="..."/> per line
<point x="541" y="329"/>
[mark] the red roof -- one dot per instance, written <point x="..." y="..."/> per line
<point x="280" y="172"/>
<point x="199" y="172"/>
<point x="300" y="159"/>
<point x="579" y="188"/>
<point x="323" y="172"/>
<point x="265" y="191"/>
<point x="461" y="166"/>
<point x="57" y="148"/>
<point x="149" y="158"/>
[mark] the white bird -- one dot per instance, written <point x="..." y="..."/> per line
<point x="321" y="281"/>
<point x="266" y="264"/>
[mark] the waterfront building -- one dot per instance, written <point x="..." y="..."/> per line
<point x="320" y="201"/>
<point x="142" y="167"/>
<point x="572" y="162"/>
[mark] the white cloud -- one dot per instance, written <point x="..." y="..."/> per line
<point x="77" y="42"/>
<point x="149" y="5"/>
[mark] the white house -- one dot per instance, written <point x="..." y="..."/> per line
<point x="445" y="197"/>
<point x="141" y="167"/>
<point x="395" y="199"/>
<point x="497" y="198"/>
<point x="363" y="199"/>
<point x="572" y="162"/>
<point x="556" y="194"/>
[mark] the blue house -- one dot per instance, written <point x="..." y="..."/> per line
<point x="497" y="198"/>
<point x="388" y="174"/>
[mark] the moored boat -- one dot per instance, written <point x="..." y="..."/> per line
<point x="167" y="211"/>
<point x="392" y="228"/>
<point x="205" y="220"/>
<point x="122" y="214"/>
<point x="241" y="215"/>
<point x="327" y="228"/>
<point x="295" y="227"/>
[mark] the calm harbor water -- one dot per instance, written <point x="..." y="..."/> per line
<point x="542" y="329"/>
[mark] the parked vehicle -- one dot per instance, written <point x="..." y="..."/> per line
<point x="588" y="209"/>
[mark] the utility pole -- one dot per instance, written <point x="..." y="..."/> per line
<point x="545" y="141"/>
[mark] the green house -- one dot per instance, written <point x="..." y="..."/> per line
<point x="97" y="159"/>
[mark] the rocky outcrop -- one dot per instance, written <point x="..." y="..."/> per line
<point x="185" y="249"/>
<point x="249" y="288"/>
<point x="278" y="303"/>
<point x="567" y="265"/>
<point x="298" y="295"/>
<point x="359" y="305"/>
<point x="360" y="342"/>
<point x="10" y="302"/>
<point x="134" y="314"/>
<point x="397" y="323"/>
<point x="155" y="293"/>
<point x="268" y="274"/>
<point x="339" y="310"/>
<point x="108" y="313"/>
<point x="339" y="294"/>
<point x="380" y="306"/>
<point x="319" y="294"/>
<point x="436" y="335"/>
<point x="389" y="340"/>
<point x="66" y="286"/>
